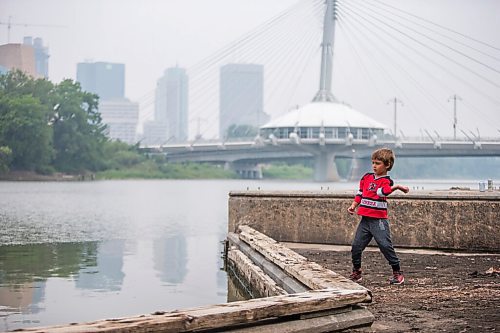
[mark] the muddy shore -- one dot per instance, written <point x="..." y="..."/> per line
<point x="443" y="292"/>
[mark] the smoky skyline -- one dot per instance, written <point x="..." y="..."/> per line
<point x="285" y="36"/>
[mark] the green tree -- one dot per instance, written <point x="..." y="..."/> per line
<point x="120" y="155"/>
<point x="5" y="158"/>
<point x="78" y="131"/>
<point x="23" y="121"/>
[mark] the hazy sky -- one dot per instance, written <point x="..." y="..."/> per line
<point x="147" y="35"/>
<point x="150" y="35"/>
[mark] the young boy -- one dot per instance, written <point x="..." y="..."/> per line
<point x="371" y="199"/>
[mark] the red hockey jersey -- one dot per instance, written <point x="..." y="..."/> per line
<point x="372" y="194"/>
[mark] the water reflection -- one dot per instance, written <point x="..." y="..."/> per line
<point x="170" y="257"/>
<point x="25" y="269"/>
<point x="23" y="297"/>
<point x="106" y="272"/>
<point x="45" y="284"/>
<point x="35" y="262"/>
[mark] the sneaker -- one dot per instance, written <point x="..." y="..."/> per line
<point x="397" y="278"/>
<point x="355" y="275"/>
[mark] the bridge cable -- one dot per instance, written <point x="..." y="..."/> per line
<point x="382" y="69"/>
<point x="428" y="47"/>
<point x="279" y="61"/>
<point x="288" y="44"/>
<point x="371" y="31"/>
<point x="438" y="25"/>
<point x="433" y="39"/>
<point x="416" y="51"/>
<point x="292" y="44"/>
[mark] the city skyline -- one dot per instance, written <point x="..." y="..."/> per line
<point x="165" y="34"/>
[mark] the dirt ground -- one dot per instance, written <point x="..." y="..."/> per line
<point x="442" y="292"/>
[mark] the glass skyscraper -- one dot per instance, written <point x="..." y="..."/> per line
<point x="241" y="97"/>
<point x="105" y="79"/>
<point x="171" y="106"/>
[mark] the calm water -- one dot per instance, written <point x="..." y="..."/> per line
<point x="82" y="251"/>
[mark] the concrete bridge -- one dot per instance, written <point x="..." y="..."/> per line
<point x="245" y="157"/>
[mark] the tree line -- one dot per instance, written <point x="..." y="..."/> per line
<point x="47" y="127"/>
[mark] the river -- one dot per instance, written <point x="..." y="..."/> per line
<point x="82" y="251"/>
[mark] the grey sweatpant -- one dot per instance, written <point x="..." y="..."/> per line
<point x="369" y="228"/>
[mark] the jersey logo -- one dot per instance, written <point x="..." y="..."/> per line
<point x="372" y="187"/>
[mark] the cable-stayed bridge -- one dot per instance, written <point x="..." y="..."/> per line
<point x="390" y="64"/>
<point x="245" y="156"/>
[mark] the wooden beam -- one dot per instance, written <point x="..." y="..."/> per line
<point x="309" y="273"/>
<point x="219" y="316"/>
<point x="254" y="275"/>
<point x="328" y="323"/>
<point x="291" y="285"/>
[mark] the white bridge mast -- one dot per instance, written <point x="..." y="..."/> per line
<point x="325" y="83"/>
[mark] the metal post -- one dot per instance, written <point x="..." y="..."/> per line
<point x="395" y="118"/>
<point x="8" y="29"/>
<point x="454" y="97"/>
<point x="395" y="101"/>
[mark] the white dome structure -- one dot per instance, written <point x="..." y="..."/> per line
<point x="329" y="120"/>
<point x="326" y="126"/>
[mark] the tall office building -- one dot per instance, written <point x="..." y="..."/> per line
<point x="18" y="56"/>
<point x="122" y="117"/>
<point x="105" y="79"/>
<point x="241" y="96"/>
<point x="41" y="56"/>
<point x="30" y="57"/>
<point x="171" y="107"/>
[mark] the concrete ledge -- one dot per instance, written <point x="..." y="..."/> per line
<point x="458" y="220"/>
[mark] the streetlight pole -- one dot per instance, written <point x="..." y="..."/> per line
<point x="454" y="97"/>
<point x="395" y="101"/>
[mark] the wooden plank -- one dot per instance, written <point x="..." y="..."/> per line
<point x="326" y="313"/>
<point x="330" y="323"/>
<point x="254" y="275"/>
<point x="309" y="273"/>
<point x="219" y="316"/>
<point x="290" y="284"/>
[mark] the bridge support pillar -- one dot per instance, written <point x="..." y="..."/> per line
<point x="325" y="168"/>
<point x="246" y="171"/>
<point x="359" y="167"/>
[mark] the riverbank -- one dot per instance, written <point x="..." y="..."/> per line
<point x="443" y="292"/>
<point x="152" y="170"/>
<point x="33" y="176"/>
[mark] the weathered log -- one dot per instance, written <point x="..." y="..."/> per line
<point x="307" y="272"/>
<point x="328" y="323"/>
<point x="220" y="316"/>
<point x="291" y="285"/>
<point x="254" y="275"/>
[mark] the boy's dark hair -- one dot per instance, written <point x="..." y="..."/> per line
<point x="386" y="156"/>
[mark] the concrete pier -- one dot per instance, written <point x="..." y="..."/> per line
<point x="457" y="220"/>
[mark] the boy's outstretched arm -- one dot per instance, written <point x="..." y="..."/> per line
<point x="352" y="208"/>
<point x="404" y="189"/>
